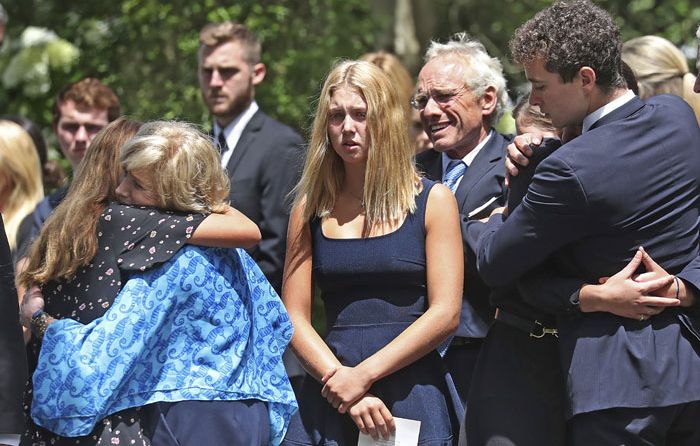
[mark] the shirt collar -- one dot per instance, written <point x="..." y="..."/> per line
<point x="469" y="157"/>
<point x="592" y="118"/>
<point x="238" y="123"/>
<point x="234" y="130"/>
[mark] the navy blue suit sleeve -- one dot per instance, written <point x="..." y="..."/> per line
<point x="691" y="276"/>
<point x="550" y="216"/>
<point x="544" y="289"/>
<point x="469" y="236"/>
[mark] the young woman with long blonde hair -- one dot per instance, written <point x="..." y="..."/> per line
<point x="384" y="247"/>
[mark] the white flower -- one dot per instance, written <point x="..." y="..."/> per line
<point x="33" y="35"/>
<point x="40" y="50"/>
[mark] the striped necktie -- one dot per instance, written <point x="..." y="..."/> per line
<point x="455" y="171"/>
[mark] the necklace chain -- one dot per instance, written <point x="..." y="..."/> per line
<point x="361" y="200"/>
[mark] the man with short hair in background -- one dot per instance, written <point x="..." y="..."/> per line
<point x="80" y="111"/>
<point x="263" y="156"/>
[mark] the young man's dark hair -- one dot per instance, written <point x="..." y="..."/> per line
<point x="88" y="92"/>
<point x="568" y="36"/>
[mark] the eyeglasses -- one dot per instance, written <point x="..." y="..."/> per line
<point x="442" y="98"/>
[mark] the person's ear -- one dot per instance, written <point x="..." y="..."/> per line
<point x="258" y="73"/>
<point x="488" y="101"/>
<point x="588" y="77"/>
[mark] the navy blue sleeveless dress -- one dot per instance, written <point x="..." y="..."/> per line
<point x="373" y="289"/>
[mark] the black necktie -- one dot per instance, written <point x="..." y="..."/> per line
<point x="222" y="145"/>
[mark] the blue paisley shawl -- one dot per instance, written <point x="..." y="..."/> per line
<point x="205" y="325"/>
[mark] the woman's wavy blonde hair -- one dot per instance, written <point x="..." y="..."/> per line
<point x="660" y="67"/>
<point x="391" y="181"/>
<point x="183" y="164"/>
<point x="68" y="238"/>
<point x="20" y="174"/>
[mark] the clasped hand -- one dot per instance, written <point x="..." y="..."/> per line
<point x="32" y="302"/>
<point x="346" y="388"/>
<point x="343" y="386"/>
<point x="630" y="295"/>
<point x="372" y="417"/>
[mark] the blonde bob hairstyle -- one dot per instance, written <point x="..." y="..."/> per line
<point x="391" y="181"/>
<point x="660" y="68"/>
<point x="20" y="177"/>
<point x="184" y="167"/>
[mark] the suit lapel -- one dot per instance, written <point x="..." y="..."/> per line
<point x="491" y="153"/>
<point x="627" y="109"/>
<point x="246" y="140"/>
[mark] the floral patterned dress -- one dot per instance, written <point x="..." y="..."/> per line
<point x="130" y="239"/>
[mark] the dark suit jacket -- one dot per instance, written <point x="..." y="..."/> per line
<point x="482" y="182"/>
<point x="631" y="180"/>
<point x="264" y="167"/>
<point x="13" y="360"/>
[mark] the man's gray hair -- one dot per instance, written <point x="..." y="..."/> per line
<point x="483" y="70"/>
<point x="3" y="15"/>
<point x="697" y="34"/>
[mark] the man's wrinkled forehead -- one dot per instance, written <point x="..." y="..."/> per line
<point x="443" y="72"/>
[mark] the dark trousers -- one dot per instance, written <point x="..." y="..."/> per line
<point x="677" y="425"/>
<point x="517" y="392"/>
<point x="210" y="423"/>
<point x="460" y="361"/>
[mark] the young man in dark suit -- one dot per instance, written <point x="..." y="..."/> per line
<point x="460" y="96"/>
<point x="13" y="360"/>
<point x="629" y="179"/>
<point x="263" y="156"/>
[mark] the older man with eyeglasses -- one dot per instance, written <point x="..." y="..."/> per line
<point x="461" y="94"/>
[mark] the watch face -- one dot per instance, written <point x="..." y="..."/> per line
<point x="575" y="303"/>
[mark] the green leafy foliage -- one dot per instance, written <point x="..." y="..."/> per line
<point x="146" y="50"/>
